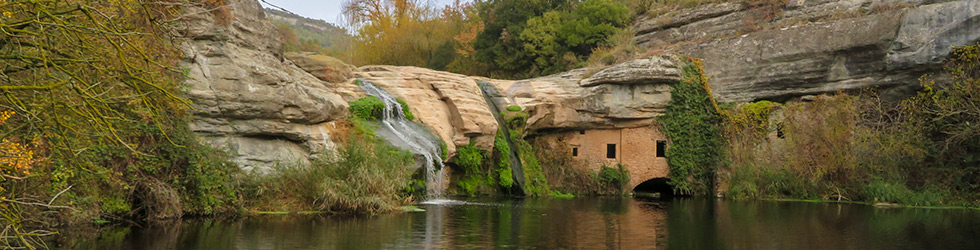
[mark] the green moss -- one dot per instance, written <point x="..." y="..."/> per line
<point x="445" y="149"/>
<point x="368" y="108"/>
<point x="561" y="195"/>
<point x="505" y="175"/>
<point x="514" y="108"/>
<point x="470" y="159"/>
<point x="535" y="184"/>
<point x="693" y="124"/>
<point x="406" y="110"/>
<point x="516" y="120"/>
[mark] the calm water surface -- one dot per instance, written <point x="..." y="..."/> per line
<point x="579" y="223"/>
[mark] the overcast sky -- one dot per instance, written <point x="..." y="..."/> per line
<point x="327" y="10"/>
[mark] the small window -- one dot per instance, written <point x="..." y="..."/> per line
<point x="611" y="151"/>
<point x="574" y="151"/>
<point x="661" y="148"/>
<point x="779" y="131"/>
<point x="581" y="132"/>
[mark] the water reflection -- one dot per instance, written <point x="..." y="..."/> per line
<point x="581" y="223"/>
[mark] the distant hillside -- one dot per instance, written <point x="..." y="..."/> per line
<point x="307" y="34"/>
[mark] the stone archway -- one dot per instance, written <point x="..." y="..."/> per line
<point x="656" y="185"/>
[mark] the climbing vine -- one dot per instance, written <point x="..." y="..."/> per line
<point x="693" y="124"/>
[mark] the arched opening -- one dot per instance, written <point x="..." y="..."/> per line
<point x="656" y="187"/>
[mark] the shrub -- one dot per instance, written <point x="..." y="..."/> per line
<point x="514" y="108"/>
<point x="616" y="177"/>
<point x="369" y="108"/>
<point x="405" y="109"/>
<point x="363" y="177"/>
<point x="883" y="191"/>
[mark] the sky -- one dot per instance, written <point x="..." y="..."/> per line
<point x="327" y="10"/>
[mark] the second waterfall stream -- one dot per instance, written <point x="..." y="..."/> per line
<point x="402" y="132"/>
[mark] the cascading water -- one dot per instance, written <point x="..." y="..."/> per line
<point x="408" y="134"/>
<point x="489" y="93"/>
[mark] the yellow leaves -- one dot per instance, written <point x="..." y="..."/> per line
<point x="15" y="158"/>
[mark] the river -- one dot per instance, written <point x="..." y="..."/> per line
<point x="577" y="223"/>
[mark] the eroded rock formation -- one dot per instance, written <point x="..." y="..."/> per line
<point x="247" y="99"/>
<point x="627" y="95"/>
<point x="450" y="105"/>
<point x="815" y="46"/>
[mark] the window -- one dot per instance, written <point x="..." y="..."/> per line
<point x="581" y="132"/>
<point x="661" y="148"/>
<point x="574" y="151"/>
<point x="611" y="151"/>
<point x="779" y="131"/>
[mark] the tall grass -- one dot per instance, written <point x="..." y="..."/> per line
<point x="362" y="177"/>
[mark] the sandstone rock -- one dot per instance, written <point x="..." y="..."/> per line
<point x="782" y="63"/>
<point x="639" y="71"/>
<point x="323" y="67"/>
<point x="450" y="105"/>
<point x="929" y="32"/>
<point x="246" y="98"/>
<point x="631" y="98"/>
<point x="816" y="46"/>
<point x="678" y="18"/>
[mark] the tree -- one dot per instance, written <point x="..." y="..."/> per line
<point x="545" y="36"/>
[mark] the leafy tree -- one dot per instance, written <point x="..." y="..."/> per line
<point x="545" y="36"/>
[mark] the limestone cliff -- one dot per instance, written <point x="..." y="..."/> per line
<point x="626" y="95"/>
<point x="808" y="47"/>
<point x="247" y="98"/>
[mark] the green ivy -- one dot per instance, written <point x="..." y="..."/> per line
<point x="693" y="124"/>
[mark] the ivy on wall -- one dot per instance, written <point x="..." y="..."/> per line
<point x="693" y="124"/>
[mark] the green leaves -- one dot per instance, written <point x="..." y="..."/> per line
<point x="694" y="128"/>
<point x="555" y="36"/>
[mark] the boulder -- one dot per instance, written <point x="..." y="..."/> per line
<point x="323" y="67"/>
<point x="247" y="99"/>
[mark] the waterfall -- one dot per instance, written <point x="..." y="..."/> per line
<point x="412" y="136"/>
<point x="489" y="93"/>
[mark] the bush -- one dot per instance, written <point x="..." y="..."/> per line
<point x="617" y="177"/>
<point x="883" y="191"/>
<point x="514" y="108"/>
<point x="368" y="108"/>
<point x="363" y="177"/>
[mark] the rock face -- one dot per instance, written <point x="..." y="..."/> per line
<point x="247" y="99"/>
<point x="450" y="105"/>
<point x="840" y="45"/>
<point x="323" y="67"/>
<point x="627" y="95"/>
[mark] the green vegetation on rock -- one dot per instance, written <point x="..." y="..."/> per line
<point x="475" y="179"/>
<point x="920" y="151"/>
<point x="368" y="107"/>
<point x="365" y="176"/>
<point x="693" y="124"/>
<point x="406" y="109"/>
